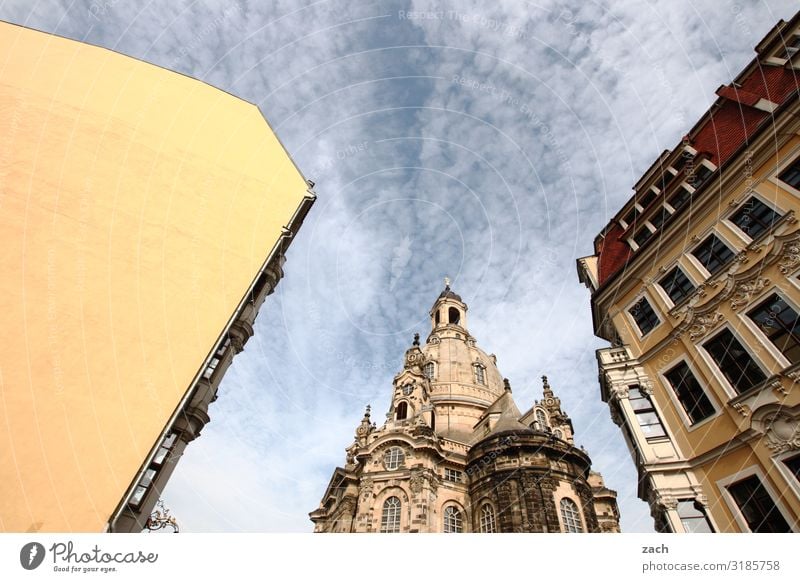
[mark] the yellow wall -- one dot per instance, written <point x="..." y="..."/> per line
<point x="136" y="206"/>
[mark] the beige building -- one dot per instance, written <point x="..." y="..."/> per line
<point x="455" y="454"/>
<point x="696" y="284"/>
<point x="144" y="217"/>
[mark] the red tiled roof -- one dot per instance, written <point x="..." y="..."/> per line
<point x="725" y="128"/>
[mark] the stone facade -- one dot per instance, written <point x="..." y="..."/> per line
<point x="695" y="283"/>
<point x="456" y="455"/>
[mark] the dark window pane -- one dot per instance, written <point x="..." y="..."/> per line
<point x="644" y="316"/>
<point x="757" y="507"/>
<point x="779" y="322"/>
<point x="646" y="198"/>
<point x="692" y="517"/>
<point x="734" y="361"/>
<point x="689" y="392"/>
<point x="794" y="466"/>
<point x="698" y="176"/>
<point x="755" y="218"/>
<point x="631" y="216"/>
<point x="642" y="236"/>
<point x="680" y="197"/>
<point x="713" y="254"/>
<point x="677" y="285"/>
<point x="660" y="217"/>
<point x="791" y="175"/>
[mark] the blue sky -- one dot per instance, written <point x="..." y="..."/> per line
<point x="489" y="143"/>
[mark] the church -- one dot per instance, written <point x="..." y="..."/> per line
<point x="456" y="455"/>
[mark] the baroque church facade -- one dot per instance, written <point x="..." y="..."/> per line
<point x="456" y="455"/>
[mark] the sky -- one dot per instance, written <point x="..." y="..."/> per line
<point x="486" y="142"/>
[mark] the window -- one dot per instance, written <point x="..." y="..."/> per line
<point x="487" y="519"/>
<point x="778" y="321"/>
<point x="393" y="458"/>
<point x="644" y="316"/>
<point x="570" y="516"/>
<point x="793" y="464"/>
<point x="677" y="285"/>
<point x="647" y="198"/>
<point x="755" y="218"/>
<point x="630" y="218"/>
<point x="453" y="522"/>
<point x="646" y="415"/>
<point x="713" y="254"/>
<point x="402" y="411"/>
<point x="480" y="374"/>
<point x="660" y="217"/>
<point x="689" y="393"/>
<point x="791" y="175"/>
<point x="757" y="507"/>
<point x="437" y="317"/>
<point x="150" y="474"/>
<point x="541" y="419"/>
<point x="693" y="517"/>
<point x="452" y="475"/>
<point x="734" y="361"/>
<point x="558" y="434"/>
<point x="680" y="197"/>
<point x="454" y="316"/>
<point x="390" y="517"/>
<point x="642" y="236"/>
<point x="791" y="48"/>
<point x="428" y="370"/>
<point x="699" y="176"/>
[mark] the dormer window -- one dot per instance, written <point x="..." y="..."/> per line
<point x="480" y="373"/>
<point x="791" y="48"/>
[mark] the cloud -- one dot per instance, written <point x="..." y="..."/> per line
<point x="485" y="142"/>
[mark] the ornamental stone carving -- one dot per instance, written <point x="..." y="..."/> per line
<point x="745" y="290"/>
<point x="703" y="323"/>
<point x="790" y="257"/>
<point x="783" y="431"/>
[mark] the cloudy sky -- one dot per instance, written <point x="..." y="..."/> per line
<point x="489" y="142"/>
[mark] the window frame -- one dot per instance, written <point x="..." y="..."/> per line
<point x="636" y="326"/>
<point x="652" y="410"/>
<point x="794" y="158"/>
<point x="716" y="369"/>
<point x="703" y="269"/>
<point x="755" y="196"/>
<point x="396" y="517"/>
<point x="457" y="520"/>
<point x="432" y="366"/>
<point x="397" y="460"/>
<point x="668" y="298"/>
<point x="565" y="528"/>
<point x="483" y="522"/>
<point x="673" y="395"/>
<point x="700" y="509"/>
<point x="733" y="507"/>
<point x="781" y="358"/>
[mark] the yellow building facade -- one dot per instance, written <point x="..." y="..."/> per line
<point x="696" y="284"/>
<point x="144" y="217"/>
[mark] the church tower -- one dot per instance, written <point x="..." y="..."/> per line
<point x="455" y="454"/>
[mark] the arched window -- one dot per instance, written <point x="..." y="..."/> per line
<point x="433" y="420"/>
<point x="454" y="316"/>
<point x="402" y="411"/>
<point x="393" y="458"/>
<point x="453" y="522"/>
<point x="541" y="418"/>
<point x="437" y="317"/>
<point x="570" y="516"/>
<point x="487" y="519"/>
<point x="429" y="370"/>
<point x="480" y="374"/>
<point x="390" y="517"/>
